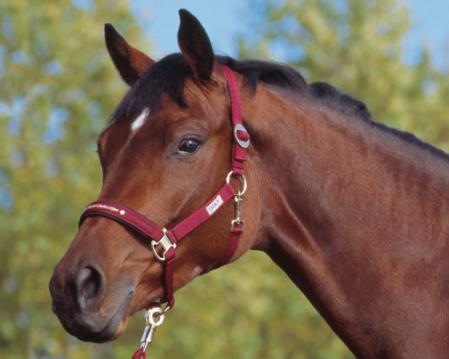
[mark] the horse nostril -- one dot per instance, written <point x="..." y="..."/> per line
<point x="89" y="286"/>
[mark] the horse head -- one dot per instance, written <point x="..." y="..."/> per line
<point x="164" y="154"/>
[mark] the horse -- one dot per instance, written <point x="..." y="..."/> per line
<point x="353" y="211"/>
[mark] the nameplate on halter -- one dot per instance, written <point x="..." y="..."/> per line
<point x="214" y="205"/>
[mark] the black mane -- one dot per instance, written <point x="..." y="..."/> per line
<point x="169" y="74"/>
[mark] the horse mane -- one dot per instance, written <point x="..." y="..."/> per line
<point x="169" y="74"/>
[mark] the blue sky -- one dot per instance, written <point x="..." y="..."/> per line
<point x="224" y="21"/>
<point x="220" y="20"/>
<point x="431" y="27"/>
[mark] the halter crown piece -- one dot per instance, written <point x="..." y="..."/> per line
<point x="164" y="241"/>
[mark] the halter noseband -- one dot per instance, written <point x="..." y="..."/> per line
<point x="163" y="241"/>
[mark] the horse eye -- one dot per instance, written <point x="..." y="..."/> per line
<point x="188" y="145"/>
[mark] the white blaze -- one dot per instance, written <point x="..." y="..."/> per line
<point x="140" y="120"/>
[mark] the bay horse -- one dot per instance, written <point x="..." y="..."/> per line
<point x="353" y="211"/>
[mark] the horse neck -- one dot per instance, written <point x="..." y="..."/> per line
<point x="355" y="216"/>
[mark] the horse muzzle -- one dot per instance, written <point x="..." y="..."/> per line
<point x="78" y="300"/>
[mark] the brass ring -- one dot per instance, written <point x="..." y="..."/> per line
<point x="154" y="316"/>
<point x="242" y="179"/>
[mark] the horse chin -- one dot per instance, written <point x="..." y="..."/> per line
<point x="111" y="332"/>
<point x="87" y="329"/>
<point x="119" y="321"/>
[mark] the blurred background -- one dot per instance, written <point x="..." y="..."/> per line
<point x="58" y="88"/>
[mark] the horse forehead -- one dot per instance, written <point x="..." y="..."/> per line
<point x="199" y="102"/>
<point x="206" y="101"/>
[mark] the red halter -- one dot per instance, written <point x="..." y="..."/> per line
<point x="164" y="242"/>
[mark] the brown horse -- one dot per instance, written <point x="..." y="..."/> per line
<point x="353" y="211"/>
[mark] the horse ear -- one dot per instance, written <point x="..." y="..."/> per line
<point x="130" y="62"/>
<point x="195" y="46"/>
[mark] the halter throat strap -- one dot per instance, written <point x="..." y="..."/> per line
<point x="164" y="241"/>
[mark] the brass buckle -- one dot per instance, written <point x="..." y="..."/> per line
<point x="166" y="245"/>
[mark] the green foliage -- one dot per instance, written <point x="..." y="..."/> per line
<point x="358" y="46"/>
<point x="247" y="310"/>
<point x="57" y="88"/>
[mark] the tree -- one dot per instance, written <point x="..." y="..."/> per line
<point x="57" y="89"/>
<point x="358" y="47"/>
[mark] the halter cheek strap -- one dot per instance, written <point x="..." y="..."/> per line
<point x="163" y="241"/>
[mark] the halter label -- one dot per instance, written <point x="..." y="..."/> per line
<point x="214" y="205"/>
